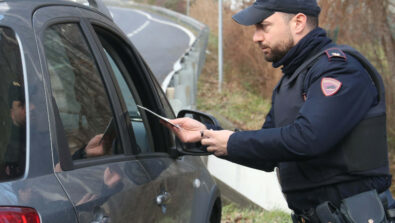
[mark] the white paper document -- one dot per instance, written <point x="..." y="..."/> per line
<point x="158" y="116"/>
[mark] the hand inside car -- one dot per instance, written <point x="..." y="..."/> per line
<point x="95" y="147"/>
<point x="189" y="131"/>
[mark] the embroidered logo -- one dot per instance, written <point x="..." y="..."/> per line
<point x="330" y="86"/>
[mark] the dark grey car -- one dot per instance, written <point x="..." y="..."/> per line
<point x="73" y="145"/>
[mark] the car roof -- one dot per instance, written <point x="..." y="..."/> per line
<point x="25" y="8"/>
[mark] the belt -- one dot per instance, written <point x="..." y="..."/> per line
<point x="299" y="219"/>
<point x="308" y="216"/>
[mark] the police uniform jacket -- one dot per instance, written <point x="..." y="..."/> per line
<point x="311" y="130"/>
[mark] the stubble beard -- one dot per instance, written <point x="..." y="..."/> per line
<point x="278" y="51"/>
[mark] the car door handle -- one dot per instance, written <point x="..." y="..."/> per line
<point x="163" y="198"/>
<point x="103" y="219"/>
<point x="100" y="216"/>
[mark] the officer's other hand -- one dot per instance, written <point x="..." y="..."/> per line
<point x="216" y="141"/>
<point x="189" y="129"/>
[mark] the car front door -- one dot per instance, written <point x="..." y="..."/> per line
<point x="112" y="160"/>
<point x="93" y="159"/>
<point x="176" y="180"/>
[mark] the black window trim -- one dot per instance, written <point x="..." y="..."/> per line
<point x="59" y="145"/>
<point x="141" y="70"/>
<point x="131" y="86"/>
<point x="109" y="85"/>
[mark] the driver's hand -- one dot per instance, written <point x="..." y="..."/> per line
<point x="94" y="147"/>
<point x="189" y="130"/>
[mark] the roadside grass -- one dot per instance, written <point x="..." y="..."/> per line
<point x="244" y="109"/>
<point x="233" y="214"/>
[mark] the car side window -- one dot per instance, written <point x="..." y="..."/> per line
<point x="129" y="97"/>
<point x="79" y="93"/>
<point x="13" y="108"/>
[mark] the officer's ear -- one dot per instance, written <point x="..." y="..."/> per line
<point x="299" y="24"/>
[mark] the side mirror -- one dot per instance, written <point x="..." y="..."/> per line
<point x="195" y="149"/>
<point x="202" y="117"/>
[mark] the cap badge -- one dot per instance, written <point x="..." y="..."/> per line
<point x="330" y="86"/>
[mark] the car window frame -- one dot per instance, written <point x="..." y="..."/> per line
<point x="133" y="91"/>
<point x="27" y="102"/>
<point x="144" y="73"/>
<point x="58" y="136"/>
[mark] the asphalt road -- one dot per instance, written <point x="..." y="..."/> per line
<point x="160" y="42"/>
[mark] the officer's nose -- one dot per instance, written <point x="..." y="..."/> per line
<point x="258" y="36"/>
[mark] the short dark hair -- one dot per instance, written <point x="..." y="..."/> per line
<point x="311" y="21"/>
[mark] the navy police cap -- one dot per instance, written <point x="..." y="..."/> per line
<point x="261" y="9"/>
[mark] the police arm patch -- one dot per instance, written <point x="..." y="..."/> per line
<point x="330" y="86"/>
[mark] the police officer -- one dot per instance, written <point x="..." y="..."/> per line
<point x="326" y="127"/>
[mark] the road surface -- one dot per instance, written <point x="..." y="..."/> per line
<point x="160" y="41"/>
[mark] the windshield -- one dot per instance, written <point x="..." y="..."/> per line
<point x="12" y="108"/>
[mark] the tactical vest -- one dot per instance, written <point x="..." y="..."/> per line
<point x="363" y="152"/>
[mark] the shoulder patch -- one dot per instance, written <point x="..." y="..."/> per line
<point x="330" y="86"/>
<point x="335" y="53"/>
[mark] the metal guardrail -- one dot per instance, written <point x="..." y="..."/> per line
<point x="180" y="84"/>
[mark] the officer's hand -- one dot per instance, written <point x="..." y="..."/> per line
<point x="188" y="131"/>
<point x="216" y="141"/>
